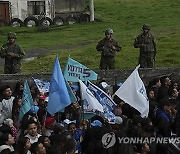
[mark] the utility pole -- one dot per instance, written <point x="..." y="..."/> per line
<point x="91" y="9"/>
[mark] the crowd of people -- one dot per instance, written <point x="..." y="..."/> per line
<point x="67" y="132"/>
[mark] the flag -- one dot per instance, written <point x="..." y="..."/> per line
<point x="58" y="94"/>
<point x="71" y="94"/>
<point x="43" y="86"/>
<point x="133" y="92"/>
<point x="105" y="100"/>
<point x="27" y="101"/>
<point x="90" y="102"/>
<point x="75" y="70"/>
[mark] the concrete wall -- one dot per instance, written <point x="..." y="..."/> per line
<point x="112" y="77"/>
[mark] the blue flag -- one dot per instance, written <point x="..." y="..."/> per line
<point x="43" y="86"/>
<point x="27" y="101"/>
<point x="71" y="94"/>
<point x="58" y="94"/>
<point x="75" y="70"/>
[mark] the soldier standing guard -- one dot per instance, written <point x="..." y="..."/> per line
<point x="12" y="54"/>
<point x="108" y="47"/>
<point x="147" y="45"/>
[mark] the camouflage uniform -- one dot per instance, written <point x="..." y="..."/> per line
<point x="12" y="64"/>
<point x="147" y="46"/>
<point x="107" y="53"/>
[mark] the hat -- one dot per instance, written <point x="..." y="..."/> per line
<point x="34" y="109"/>
<point x="58" y="127"/>
<point x="42" y="97"/>
<point x="96" y="123"/>
<point x="104" y="85"/>
<point x="118" y="120"/>
<point x="49" y="121"/>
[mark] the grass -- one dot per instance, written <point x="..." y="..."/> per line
<point x="125" y="17"/>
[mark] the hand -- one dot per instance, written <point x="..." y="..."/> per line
<point x="113" y="47"/>
<point x="11" y="54"/>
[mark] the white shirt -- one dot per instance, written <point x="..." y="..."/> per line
<point x="2" y="147"/>
<point x="33" y="139"/>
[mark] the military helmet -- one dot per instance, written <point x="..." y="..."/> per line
<point x="11" y="35"/>
<point x="108" y="31"/>
<point x="146" y="26"/>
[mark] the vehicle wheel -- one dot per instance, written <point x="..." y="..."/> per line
<point x="46" y="22"/>
<point x="71" y="20"/>
<point x="16" y="23"/>
<point x="84" y="18"/>
<point x="3" y="23"/>
<point x="58" y="21"/>
<point x="31" y="22"/>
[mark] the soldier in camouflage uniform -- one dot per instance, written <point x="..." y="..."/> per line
<point x="108" y="47"/>
<point x="12" y="54"/>
<point x="147" y="45"/>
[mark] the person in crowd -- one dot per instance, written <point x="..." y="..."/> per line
<point x="18" y="90"/>
<point x="13" y="55"/>
<point x="70" y="147"/>
<point x="15" y="111"/>
<point x="165" y="85"/>
<point x="45" y="141"/>
<point x="23" y="146"/>
<point x="76" y="134"/>
<point x="38" y="148"/>
<point x="108" y="48"/>
<point x="32" y="132"/>
<point x="147" y="45"/>
<point x="49" y="124"/>
<point x="7" y="102"/>
<point x="6" y="142"/>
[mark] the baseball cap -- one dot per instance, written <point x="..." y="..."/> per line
<point x="34" y="109"/>
<point x="96" y="123"/>
<point x="104" y="85"/>
<point x="49" y="121"/>
<point x="118" y="120"/>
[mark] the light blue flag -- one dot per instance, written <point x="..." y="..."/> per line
<point x="43" y="86"/>
<point x="75" y="70"/>
<point x="27" y="101"/>
<point x="71" y="94"/>
<point x="58" y="93"/>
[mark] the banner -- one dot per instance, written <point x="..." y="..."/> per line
<point x="133" y="92"/>
<point x="42" y="86"/>
<point x="75" y="71"/>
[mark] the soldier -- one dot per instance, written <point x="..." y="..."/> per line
<point x="146" y="43"/>
<point x="108" y="47"/>
<point x="12" y="54"/>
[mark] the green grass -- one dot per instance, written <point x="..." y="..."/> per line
<point x="125" y="17"/>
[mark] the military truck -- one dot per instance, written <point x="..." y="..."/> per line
<point x="42" y="12"/>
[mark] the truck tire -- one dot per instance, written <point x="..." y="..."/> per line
<point x="31" y="22"/>
<point x="84" y="18"/>
<point x="3" y="23"/>
<point x="16" y="23"/>
<point x="58" y="21"/>
<point x="45" y="21"/>
<point x="71" y="20"/>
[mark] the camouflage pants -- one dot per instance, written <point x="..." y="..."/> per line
<point x="11" y="69"/>
<point x="107" y="63"/>
<point x="147" y="61"/>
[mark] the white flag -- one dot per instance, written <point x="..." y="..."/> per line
<point x="133" y="92"/>
<point x="92" y="102"/>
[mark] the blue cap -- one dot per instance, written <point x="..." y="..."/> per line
<point x="34" y="109"/>
<point x="96" y="123"/>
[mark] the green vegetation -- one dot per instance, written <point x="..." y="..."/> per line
<point x="125" y="17"/>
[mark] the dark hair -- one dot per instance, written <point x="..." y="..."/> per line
<point x="72" y="123"/>
<point x="70" y="145"/>
<point x="21" y="144"/>
<point x="5" y="87"/>
<point x="15" y="108"/>
<point x="34" y="147"/>
<point x="3" y="138"/>
<point x="31" y="121"/>
<point x="17" y="92"/>
<point x="42" y="138"/>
